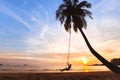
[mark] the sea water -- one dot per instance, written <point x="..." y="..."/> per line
<point x="55" y="69"/>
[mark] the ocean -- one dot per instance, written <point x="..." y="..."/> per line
<point x="56" y="69"/>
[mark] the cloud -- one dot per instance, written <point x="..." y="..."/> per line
<point x="44" y="11"/>
<point x="40" y="59"/>
<point x="9" y="12"/>
<point x="96" y="6"/>
<point x="35" y="22"/>
<point x="105" y="8"/>
<point x="110" y="6"/>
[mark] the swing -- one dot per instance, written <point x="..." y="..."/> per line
<point x="68" y="66"/>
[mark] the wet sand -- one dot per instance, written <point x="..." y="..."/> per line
<point x="61" y="76"/>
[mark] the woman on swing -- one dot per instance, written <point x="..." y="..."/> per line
<point x="67" y="68"/>
<point x="68" y="65"/>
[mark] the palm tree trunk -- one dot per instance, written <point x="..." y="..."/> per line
<point x="109" y="65"/>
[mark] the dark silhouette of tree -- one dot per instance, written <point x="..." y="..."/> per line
<point x="115" y="61"/>
<point x="73" y="13"/>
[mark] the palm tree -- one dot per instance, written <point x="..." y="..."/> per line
<point x="73" y="13"/>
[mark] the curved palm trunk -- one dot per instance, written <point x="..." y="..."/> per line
<point x="111" y="66"/>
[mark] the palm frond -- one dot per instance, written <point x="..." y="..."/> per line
<point x="84" y="23"/>
<point x="67" y="26"/>
<point x="67" y="2"/>
<point x="57" y="14"/>
<point x="88" y="13"/>
<point x="75" y="27"/>
<point x="67" y="23"/>
<point x="62" y="6"/>
<point x="75" y="1"/>
<point x="78" y="22"/>
<point x="80" y="12"/>
<point x="62" y="18"/>
<point x="84" y="4"/>
<point x="88" y="5"/>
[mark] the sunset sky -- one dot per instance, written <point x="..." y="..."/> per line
<point x="30" y="34"/>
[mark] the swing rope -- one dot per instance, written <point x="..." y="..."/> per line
<point x="69" y="45"/>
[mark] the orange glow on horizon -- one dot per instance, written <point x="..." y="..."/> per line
<point x="84" y="60"/>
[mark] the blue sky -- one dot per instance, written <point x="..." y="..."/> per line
<point x="29" y="30"/>
<point x="20" y="19"/>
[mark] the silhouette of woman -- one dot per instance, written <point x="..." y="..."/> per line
<point x="67" y="68"/>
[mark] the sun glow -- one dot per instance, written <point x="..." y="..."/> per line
<point x="84" y="60"/>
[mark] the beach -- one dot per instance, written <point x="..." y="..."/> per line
<point x="103" y="75"/>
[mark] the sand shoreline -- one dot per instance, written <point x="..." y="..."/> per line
<point x="103" y="75"/>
